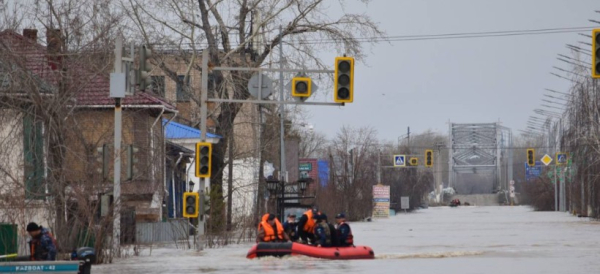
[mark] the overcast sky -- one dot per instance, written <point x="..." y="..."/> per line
<point x="425" y="84"/>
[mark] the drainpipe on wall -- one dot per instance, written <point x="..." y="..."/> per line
<point x="187" y="175"/>
<point x="163" y="151"/>
<point x="152" y="156"/>
<point x="173" y="183"/>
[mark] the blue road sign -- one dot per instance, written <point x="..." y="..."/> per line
<point x="399" y="160"/>
<point x="561" y="158"/>
<point x="533" y="172"/>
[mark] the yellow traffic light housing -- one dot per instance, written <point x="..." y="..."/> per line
<point x="301" y="87"/>
<point x="414" y="161"/>
<point x="203" y="159"/>
<point x="531" y="157"/>
<point x="344" y="80"/>
<point x="596" y="53"/>
<point x="428" y="158"/>
<point x="191" y="204"/>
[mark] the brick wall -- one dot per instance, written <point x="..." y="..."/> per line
<point x="94" y="127"/>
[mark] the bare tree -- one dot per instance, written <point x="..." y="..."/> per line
<point x="222" y="28"/>
<point x="44" y="82"/>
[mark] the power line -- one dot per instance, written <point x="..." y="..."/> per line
<point x="443" y="36"/>
<point x="462" y="35"/>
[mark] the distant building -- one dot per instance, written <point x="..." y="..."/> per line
<point x="317" y="170"/>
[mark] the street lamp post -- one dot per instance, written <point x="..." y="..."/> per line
<point x="277" y="188"/>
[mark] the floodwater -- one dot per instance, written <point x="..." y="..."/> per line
<point x="435" y="240"/>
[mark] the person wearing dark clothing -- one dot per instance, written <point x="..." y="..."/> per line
<point x="306" y="226"/>
<point x="42" y="245"/>
<point x="343" y="231"/>
<point x="322" y="231"/>
<point x="291" y="227"/>
<point x="334" y="235"/>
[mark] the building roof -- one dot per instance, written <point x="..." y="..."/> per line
<point x="179" y="131"/>
<point x="93" y="87"/>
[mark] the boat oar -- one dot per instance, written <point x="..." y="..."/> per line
<point x="8" y="256"/>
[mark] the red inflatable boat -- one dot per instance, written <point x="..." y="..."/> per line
<point x="332" y="253"/>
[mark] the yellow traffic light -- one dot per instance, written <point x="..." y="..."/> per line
<point x="531" y="157"/>
<point x="428" y="158"/>
<point x="191" y="204"/>
<point x="596" y="53"/>
<point x="344" y="80"/>
<point x="414" y="161"/>
<point x="301" y="87"/>
<point x="203" y="159"/>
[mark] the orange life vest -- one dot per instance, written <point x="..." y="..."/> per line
<point x="270" y="235"/>
<point x="309" y="226"/>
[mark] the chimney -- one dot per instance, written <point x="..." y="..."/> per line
<point x="30" y="34"/>
<point x="54" y="48"/>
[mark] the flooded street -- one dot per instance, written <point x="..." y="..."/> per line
<point x="436" y="240"/>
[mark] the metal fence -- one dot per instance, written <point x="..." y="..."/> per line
<point x="170" y="231"/>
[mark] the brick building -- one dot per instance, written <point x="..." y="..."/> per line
<point x="89" y="130"/>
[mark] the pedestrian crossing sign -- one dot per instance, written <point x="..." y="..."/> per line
<point x="561" y="158"/>
<point x="399" y="160"/>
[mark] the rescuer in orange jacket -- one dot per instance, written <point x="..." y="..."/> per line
<point x="306" y="225"/>
<point x="271" y="230"/>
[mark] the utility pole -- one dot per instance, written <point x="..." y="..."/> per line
<point x="117" y="144"/>
<point x="281" y="108"/>
<point x="437" y="174"/>
<point x="408" y="137"/>
<point x="122" y="83"/>
<point x="203" y="119"/>
<point x="379" y="166"/>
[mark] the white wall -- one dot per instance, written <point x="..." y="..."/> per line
<point x="14" y="208"/>
<point x="245" y="174"/>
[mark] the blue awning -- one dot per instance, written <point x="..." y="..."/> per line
<point x="180" y="131"/>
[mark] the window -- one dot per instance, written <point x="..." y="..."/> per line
<point x="34" y="158"/>
<point x="181" y="94"/>
<point x="158" y="85"/>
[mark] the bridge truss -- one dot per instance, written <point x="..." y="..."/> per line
<point x="481" y="148"/>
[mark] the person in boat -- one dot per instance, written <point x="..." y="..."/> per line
<point x="323" y="231"/>
<point x="291" y="227"/>
<point x="306" y="226"/>
<point x="42" y="244"/>
<point x="455" y="202"/>
<point x="343" y="231"/>
<point x="271" y="230"/>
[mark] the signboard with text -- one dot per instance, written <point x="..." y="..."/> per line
<point x="533" y="172"/>
<point x="381" y="201"/>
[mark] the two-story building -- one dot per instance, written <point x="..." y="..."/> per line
<point x="25" y="194"/>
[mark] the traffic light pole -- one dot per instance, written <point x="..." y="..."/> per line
<point x="282" y="167"/>
<point x="204" y="105"/>
<point x="203" y="119"/>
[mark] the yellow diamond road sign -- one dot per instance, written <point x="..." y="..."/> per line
<point x="546" y="159"/>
